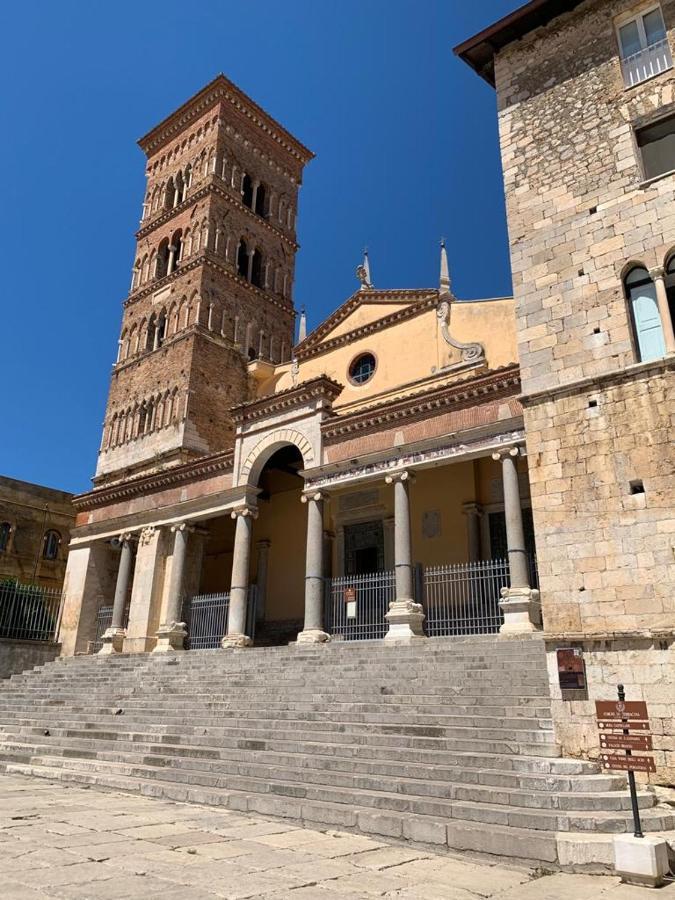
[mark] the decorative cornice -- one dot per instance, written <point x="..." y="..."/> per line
<point x="321" y="387"/>
<point x="144" y="484"/>
<point x="213" y="187"/>
<point x="221" y="88"/>
<point x="313" y="346"/>
<point x="499" y="382"/>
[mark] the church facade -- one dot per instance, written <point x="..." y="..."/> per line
<point x="419" y="464"/>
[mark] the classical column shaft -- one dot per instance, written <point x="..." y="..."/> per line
<point x="314" y="585"/>
<point x="513" y="514"/>
<point x="402" y="542"/>
<point x="664" y="310"/>
<point x="122" y="584"/>
<point x="174" y="610"/>
<point x="236" y="622"/>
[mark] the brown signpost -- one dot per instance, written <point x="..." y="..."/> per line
<point x="618" y="720"/>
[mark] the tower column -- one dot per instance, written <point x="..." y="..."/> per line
<point x="520" y="602"/>
<point x="313" y="632"/>
<point x="405" y="617"/>
<point x="236" y="621"/>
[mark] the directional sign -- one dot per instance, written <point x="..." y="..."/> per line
<point x="625" y="763"/>
<point x="639" y="742"/>
<point x="623" y="726"/>
<point x="616" y="710"/>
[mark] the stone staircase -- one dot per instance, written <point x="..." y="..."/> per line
<point x="448" y="742"/>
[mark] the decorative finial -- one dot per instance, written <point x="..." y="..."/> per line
<point x="363" y="272"/>
<point x="445" y="270"/>
<point x="302" y="327"/>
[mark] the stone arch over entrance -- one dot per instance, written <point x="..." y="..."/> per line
<point x="268" y="446"/>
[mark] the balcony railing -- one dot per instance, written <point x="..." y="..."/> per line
<point x="29" y="612"/>
<point x="646" y="63"/>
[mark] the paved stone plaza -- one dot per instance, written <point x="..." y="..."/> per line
<point x="67" y="842"/>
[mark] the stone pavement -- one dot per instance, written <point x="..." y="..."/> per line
<point x="74" y="843"/>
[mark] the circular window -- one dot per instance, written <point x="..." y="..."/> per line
<point x="362" y="368"/>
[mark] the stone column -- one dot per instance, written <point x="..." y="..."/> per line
<point x="254" y="198"/>
<point x="520" y="602"/>
<point x="172" y="632"/>
<point x="236" y="621"/>
<point x="261" y="579"/>
<point x="113" y="637"/>
<point x="249" y="269"/>
<point x="658" y="276"/>
<point x="313" y="632"/>
<point x="405" y="617"/>
<point x="473" y="513"/>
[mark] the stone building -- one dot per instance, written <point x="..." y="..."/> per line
<point x="586" y="100"/>
<point x="35" y="526"/>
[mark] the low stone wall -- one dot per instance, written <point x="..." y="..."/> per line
<point x="17" y="656"/>
<point x="646" y="668"/>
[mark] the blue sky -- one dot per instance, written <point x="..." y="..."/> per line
<point x="405" y="137"/>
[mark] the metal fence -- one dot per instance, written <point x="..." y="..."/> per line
<point x="103" y="622"/>
<point x="29" y="612"/>
<point x="206" y="618"/>
<point x="464" y="598"/>
<point x="357" y="604"/>
<point x="646" y="63"/>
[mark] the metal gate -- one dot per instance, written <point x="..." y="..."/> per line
<point x="103" y="622"/>
<point x="356" y="605"/>
<point x="464" y="598"/>
<point x="29" y="612"/>
<point x="206" y="618"/>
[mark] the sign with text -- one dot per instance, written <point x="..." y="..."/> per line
<point x="618" y="710"/>
<point x="640" y="742"/>
<point x="625" y="726"/>
<point x="627" y="763"/>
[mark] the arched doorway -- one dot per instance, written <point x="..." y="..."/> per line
<point x="279" y="548"/>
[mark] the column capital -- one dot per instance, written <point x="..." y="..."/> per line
<point x="314" y="495"/>
<point x="403" y="475"/>
<point x="126" y="537"/>
<point x="264" y="543"/>
<point x="472" y="509"/>
<point x="182" y="526"/>
<point x="504" y="452"/>
<point x="245" y="512"/>
<point x="657" y="272"/>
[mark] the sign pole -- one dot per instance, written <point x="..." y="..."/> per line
<point x="637" y="824"/>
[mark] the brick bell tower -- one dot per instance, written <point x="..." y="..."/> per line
<point x="212" y="281"/>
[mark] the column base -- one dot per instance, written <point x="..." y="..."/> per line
<point x="522" y="610"/>
<point x="313" y="636"/>
<point x="170" y="637"/>
<point x="113" y="641"/>
<point x="405" y="619"/>
<point x="234" y="641"/>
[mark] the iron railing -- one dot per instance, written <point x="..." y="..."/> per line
<point x="357" y="604"/>
<point x="206" y="618"/>
<point x="646" y="63"/>
<point x="103" y="622"/>
<point x="29" y="612"/>
<point x="464" y="598"/>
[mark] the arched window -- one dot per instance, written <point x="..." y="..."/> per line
<point x="5" y="535"/>
<point x="256" y="268"/>
<point x="160" y="330"/>
<point x="644" y="310"/>
<point x="50" y="550"/>
<point x="162" y="266"/>
<point x="151" y="333"/>
<point x="260" y="200"/>
<point x="247" y="191"/>
<point x="142" y="419"/>
<point x="242" y="259"/>
<point x="180" y="188"/>
<point x="169" y="194"/>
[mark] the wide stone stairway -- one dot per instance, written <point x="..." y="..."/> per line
<point x="447" y="742"/>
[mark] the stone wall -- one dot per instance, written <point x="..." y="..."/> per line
<point x="17" y="656"/>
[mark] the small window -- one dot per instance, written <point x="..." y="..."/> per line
<point x="51" y="547"/>
<point x="644" y="47"/>
<point x="5" y="534"/>
<point x="362" y="368"/>
<point x="657" y="147"/>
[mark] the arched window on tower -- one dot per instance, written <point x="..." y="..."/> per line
<point x="150" y="336"/>
<point x="51" y="542"/>
<point x="170" y="194"/>
<point x="160" y="331"/>
<point x="256" y="268"/>
<point x="242" y="259"/>
<point x="644" y="312"/>
<point x="162" y="266"/>
<point x="175" y="251"/>
<point x="260" y="200"/>
<point x="247" y="191"/>
<point x="180" y="188"/>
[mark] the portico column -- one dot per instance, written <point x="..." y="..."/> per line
<point x="658" y="275"/>
<point x="236" y="621"/>
<point x="313" y="632"/>
<point x="473" y="513"/>
<point x="261" y="579"/>
<point x="113" y="637"/>
<point x="172" y="632"/>
<point x="520" y="602"/>
<point x="405" y="617"/>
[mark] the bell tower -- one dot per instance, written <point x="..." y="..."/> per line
<point x="212" y="279"/>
